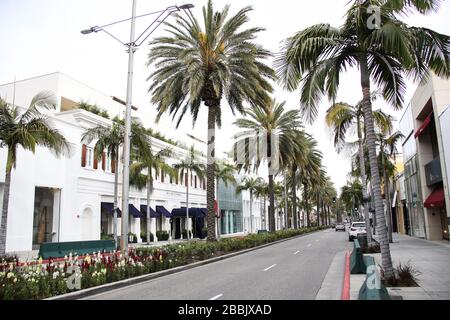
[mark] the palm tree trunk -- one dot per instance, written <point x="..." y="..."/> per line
<point x="371" y="143"/>
<point x="116" y="197"/>
<point x="251" y="211"/>
<point x="362" y="166"/>
<point x="294" y="197"/>
<point x="148" y="210"/>
<point x="218" y="209"/>
<point x="271" y="204"/>
<point x="329" y="215"/>
<point x="4" y="220"/>
<point x="305" y="190"/>
<point x="187" y="206"/>
<point x="387" y="199"/>
<point x="210" y="173"/>
<point x="272" y="226"/>
<point x="318" y="209"/>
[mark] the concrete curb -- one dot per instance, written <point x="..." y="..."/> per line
<point x="346" y="286"/>
<point x="127" y="282"/>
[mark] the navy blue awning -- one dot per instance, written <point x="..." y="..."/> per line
<point x="133" y="211"/>
<point x="164" y="212"/>
<point x="193" y="212"/>
<point x="153" y="213"/>
<point x="109" y="208"/>
<point x="204" y="211"/>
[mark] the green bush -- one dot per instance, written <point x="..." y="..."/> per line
<point x="144" y="237"/>
<point x="162" y="235"/>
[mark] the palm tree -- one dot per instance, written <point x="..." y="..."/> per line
<point x="352" y="195"/>
<point x="147" y="161"/>
<point x="278" y="191"/>
<point x="309" y="171"/>
<point x="111" y="139"/>
<point x="342" y="117"/>
<point x="276" y="129"/>
<point x="297" y="161"/>
<point x="251" y="185"/>
<point x="225" y="173"/>
<point x="185" y="168"/>
<point x="28" y="130"/>
<point x="384" y="53"/>
<point x="388" y="149"/>
<point x="262" y="191"/>
<point x="196" y="65"/>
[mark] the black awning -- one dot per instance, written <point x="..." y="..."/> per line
<point x="133" y="211"/>
<point x="193" y="212"/>
<point x="109" y="208"/>
<point x="153" y="213"/>
<point x="164" y="212"/>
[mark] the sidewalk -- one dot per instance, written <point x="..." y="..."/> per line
<point x="431" y="258"/>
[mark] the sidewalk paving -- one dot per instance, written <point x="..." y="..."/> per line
<point x="431" y="258"/>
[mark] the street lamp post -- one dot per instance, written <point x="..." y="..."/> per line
<point x="132" y="46"/>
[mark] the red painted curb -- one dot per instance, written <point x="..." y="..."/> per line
<point x="346" y="286"/>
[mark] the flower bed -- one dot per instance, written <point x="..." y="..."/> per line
<point x="40" y="281"/>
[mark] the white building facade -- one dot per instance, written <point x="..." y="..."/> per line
<point x="63" y="199"/>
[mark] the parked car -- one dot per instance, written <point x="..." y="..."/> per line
<point x="340" y="226"/>
<point x="355" y="229"/>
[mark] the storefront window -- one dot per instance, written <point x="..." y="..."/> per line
<point x="414" y="201"/>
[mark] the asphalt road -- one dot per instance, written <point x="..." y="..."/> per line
<point x="292" y="270"/>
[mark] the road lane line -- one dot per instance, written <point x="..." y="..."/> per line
<point x="296" y="253"/>
<point x="267" y="269"/>
<point x="216" y="297"/>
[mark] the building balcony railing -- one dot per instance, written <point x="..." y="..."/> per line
<point x="433" y="172"/>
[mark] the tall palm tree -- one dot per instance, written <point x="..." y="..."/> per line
<point x="141" y="173"/>
<point x="297" y="161"/>
<point x="251" y="185"/>
<point x="272" y="130"/>
<point x="111" y="138"/>
<point x="388" y="148"/>
<point x="310" y="170"/>
<point x="384" y="52"/>
<point x="342" y="117"/>
<point x="224" y="172"/>
<point x="185" y="168"/>
<point x="28" y="130"/>
<point x="206" y="64"/>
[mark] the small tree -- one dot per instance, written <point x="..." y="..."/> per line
<point x="27" y="130"/>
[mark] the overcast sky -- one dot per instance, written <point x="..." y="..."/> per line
<point x="43" y="36"/>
